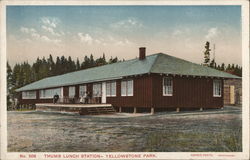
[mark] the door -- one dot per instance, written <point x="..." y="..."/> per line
<point x="232" y="97"/>
<point x="103" y="92"/>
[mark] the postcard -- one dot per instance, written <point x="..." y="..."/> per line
<point x="124" y="80"/>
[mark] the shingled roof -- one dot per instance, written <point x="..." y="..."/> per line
<point x="156" y="63"/>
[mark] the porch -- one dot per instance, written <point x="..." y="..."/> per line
<point x="77" y="100"/>
<point x="82" y="109"/>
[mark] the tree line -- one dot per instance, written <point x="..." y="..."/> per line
<point x="24" y="73"/>
<point x="234" y="69"/>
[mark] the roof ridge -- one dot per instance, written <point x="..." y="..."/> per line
<point x="91" y="68"/>
<point x="154" y="63"/>
<point x="207" y="69"/>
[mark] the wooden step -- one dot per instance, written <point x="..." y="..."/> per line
<point x="98" y="110"/>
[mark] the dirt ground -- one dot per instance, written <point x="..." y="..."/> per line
<point x="216" y="130"/>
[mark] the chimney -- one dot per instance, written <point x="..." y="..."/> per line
<point x="142" y="53"/>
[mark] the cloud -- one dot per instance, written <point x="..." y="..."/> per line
<point x="50" y="24"/>
<point x="181" y="32"/>
<point x="212" y="33"/>
<point x="85" y="38"/>
<point x="35" y="35"/>
<point x="123" y="42"/>
<point x="46" y="39"/>
<point x="50" y="21"/>
<point x="51" y="30"/>
<point x="88" y="39"/>
<point x="27" y="30"/>
<point x="127" y="24"/>
<point x="177" y="32"/>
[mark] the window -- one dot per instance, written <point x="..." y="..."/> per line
<point x="167" y="86"/>
<point x="82" y="90"/>
<point x="97" y="90"/>
<point x="111" y="89"/>
<point x="72" y="91"/>
<point x="127" y="88"/>
<point x="49" y="93"/>
<point x="29" y="95"/>
<point x="217" y="88"/>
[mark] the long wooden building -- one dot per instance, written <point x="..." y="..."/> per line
<point x="154" y="82"/>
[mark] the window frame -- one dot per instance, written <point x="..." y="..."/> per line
<point x="126" y="82"/>
<point x="165" y="88"/>
<point x="112" y="85"/>
<point x="219" y="87"/>
<point x="84" y="90"/>
<point x="74" y="93"/>
<point x="100" y="94"/>
<point x="28" y="96"/>
<point x="59" y="92"/>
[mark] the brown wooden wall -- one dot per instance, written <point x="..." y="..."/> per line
<point x="142" y="94"/>
<point x="188" y="92"/>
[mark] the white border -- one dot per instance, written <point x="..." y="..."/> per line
<point x="160" y="155"/>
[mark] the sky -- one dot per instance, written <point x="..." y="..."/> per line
<point x="76" y="31"/>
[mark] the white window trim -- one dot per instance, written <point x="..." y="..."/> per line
<point x="126" y="94"/>
<point x="49" y="97"/>
<point x="220" y="85"/>
<point x="72" y="96"/>
<point x="132" y="88"/>
<point x="61" y="92"/>
<point x="163" y="87"/>
<point x="27" y="97"/>
<point x="84" y="86"/>
<point x="111" y="93"/>
<point x="100" y="94"/>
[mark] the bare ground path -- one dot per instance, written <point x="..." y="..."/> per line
<point x="210" y="130"/>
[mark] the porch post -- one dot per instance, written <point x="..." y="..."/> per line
<point x="177" y="109"/>
<point x="134" y="110"/>
<point x="152" y="110"/>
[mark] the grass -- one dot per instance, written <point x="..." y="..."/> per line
<point x="194" y="142"/>
<point x="207" y="132"/>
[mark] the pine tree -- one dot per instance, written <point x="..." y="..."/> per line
<point x="70" y="65"/>
<point x="78" y="67"/>
<point x="92" y="61"/>
<point x="86" y="63"/>
<point x="27" y="73"/>
<point x="63" y="65"/>
<point x="10" y="82"/>
<point x="51" y="64"/>
<point x="207" y="54"/>
<point x="113" y="60"/>
<point x="212" y="64"/>
<point x="57" y="66"/>
<point x="10" y="85"/>
<point x="228" y="67"/>
<point x="223" y="67"/>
